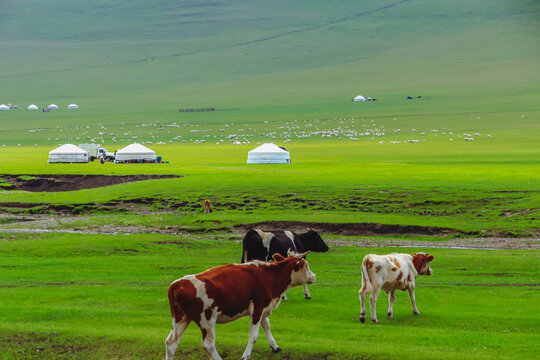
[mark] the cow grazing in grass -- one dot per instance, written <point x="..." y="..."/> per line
<point x="226" y="293"/>
<point x="390" y="273"/>
<point x="207" y="205"/>
<point x="260" y="245"/>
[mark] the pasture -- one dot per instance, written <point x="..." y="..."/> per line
<point x="283" y="72"/>
<point x="104" y="296"/>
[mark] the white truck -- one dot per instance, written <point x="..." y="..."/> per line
<point x="95" y="152"/>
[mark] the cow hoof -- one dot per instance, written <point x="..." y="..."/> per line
<point x="276" y="350"/>
<point x="390" y="317"/>
<point x="307" y="297"/>
<point x="416" y="312"/>
<point x="362" y="320"/>
<point x="375" y="321"/>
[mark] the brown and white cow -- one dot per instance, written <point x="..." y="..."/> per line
<point x="207" y="205"/>
<point x="390" y="273"/>
<point x="226" y="293"/>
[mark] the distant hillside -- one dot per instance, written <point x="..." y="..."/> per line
<point x="288" y="58"/>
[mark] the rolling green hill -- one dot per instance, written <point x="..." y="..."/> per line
<point x="268" y="60"/>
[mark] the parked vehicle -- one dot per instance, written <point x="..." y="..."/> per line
<point x="95" y="152"/>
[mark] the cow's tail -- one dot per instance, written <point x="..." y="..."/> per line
<point x="365" y="276"/>
<point x="172" y="306"/>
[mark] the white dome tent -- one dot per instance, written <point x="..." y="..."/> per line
<point x="360" y="98"/>
<point x="269" y="153"/>
<point x="73" y="106"/>
<point x="135" y="152"/>
<point x="33" y="107"/>
<point x="53" y="107"/>
<point x="68" y="153"/>
<point x="4" y="107"/>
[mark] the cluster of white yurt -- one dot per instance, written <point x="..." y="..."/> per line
<point x="4" y="107"/>
<point x="68" y="153"/>
<point x="135" y="152"/>
<point x="73" y="106"/>
<point x="32" y="107"/>
<point x="269" y="153"/>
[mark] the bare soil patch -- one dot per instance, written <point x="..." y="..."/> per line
<point x="351" y="228"/>
<point x="68" y="182"/>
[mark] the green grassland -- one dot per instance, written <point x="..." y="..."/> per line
<point x="284" y="72"/>
<point x="101" y="297"/>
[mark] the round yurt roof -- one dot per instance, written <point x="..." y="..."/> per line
<point x="360" y="98"/>
<point x="135" y="148"/>
<point x="53" y="106"/>
<point x="4" y="107"/>
<point x="32" y="107"/>
<point x="268" y="148"/>
<point x="68" y="149"/>
<point x="73" y="106"/>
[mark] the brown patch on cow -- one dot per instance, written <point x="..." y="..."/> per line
<point x="378" y="268"/>
<point x="231" y="286"/>
<point x="420" y="259"/>
<point x="184" y="297"/>
<point x="400" y="275"/>
<point x="394" y="269"/>
<point x="409" y="278"/>
<point x="397" y="263"/>
<point x="208" y="312"/>
<point x="367" y="263"/>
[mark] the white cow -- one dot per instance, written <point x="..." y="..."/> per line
<point x="390" y="273"/>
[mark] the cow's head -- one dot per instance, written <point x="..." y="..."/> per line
<point x="421" y="262"/>
<point x="313" y="241"/>
<point x="301" y="273"/>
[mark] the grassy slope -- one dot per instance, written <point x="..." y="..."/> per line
<point x="114" y="287"/>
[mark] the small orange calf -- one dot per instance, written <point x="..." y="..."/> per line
<point x="207" y="206"/>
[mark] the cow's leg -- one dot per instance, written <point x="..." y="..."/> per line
<point x="373" y="304"/>
<point x="363" y="292"/>
<point x="391" y="299"/>
<point x="253" y="335"/>
<point x="209" y="339"/>
<point x="265" y="323"/>
<point x="413" y="301"/>
<point x="306" y="292"/>
<point x="174" y="337"/>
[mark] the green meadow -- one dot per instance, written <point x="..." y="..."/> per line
<point x="283" y="72"/>
<point x="104" y="296"/>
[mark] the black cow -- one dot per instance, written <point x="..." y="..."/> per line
<point x="262" y="245"/>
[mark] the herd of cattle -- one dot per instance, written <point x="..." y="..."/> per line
<point x="272" y="263"/>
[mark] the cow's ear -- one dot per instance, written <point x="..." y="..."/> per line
<point x="429" y="258"/>
<point x="299" y="264"/>
<point x="278" y="257"/>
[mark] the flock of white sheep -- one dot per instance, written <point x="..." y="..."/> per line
<point x="341" y="129"/>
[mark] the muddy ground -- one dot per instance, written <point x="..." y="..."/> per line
<point x="354" y="234"/>
<point x="54" y="183"/>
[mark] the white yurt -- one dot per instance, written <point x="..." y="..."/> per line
<point x="360" y="98"/>
<point x="4" y="107"/>
<point x="135" y="152"/>
<point x="33" y="107"/>
<point x="68" y="153"/>
<point x="53" y="107"/>
<point x="73" y="106"/>
<point x="269" y="153"/>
